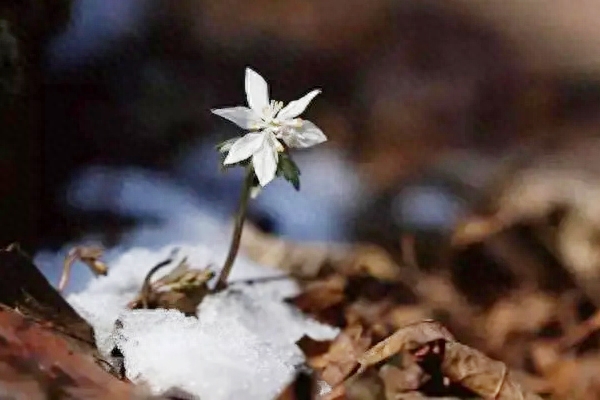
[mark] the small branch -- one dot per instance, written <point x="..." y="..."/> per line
<point x="237" y="231"/>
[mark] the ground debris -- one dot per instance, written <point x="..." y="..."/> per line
<point x="311" y="260"/>
<point x="48" y="350"/>
<point x="37" y="363"/>
<point x="24" y="289"/>
<point x="183" y="288"/>
<point x="90" y="256"/>
<point x="425" y="354"/>
<point x="556" y="193"/>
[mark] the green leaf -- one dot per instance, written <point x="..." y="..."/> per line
<point x="289" y="170"/>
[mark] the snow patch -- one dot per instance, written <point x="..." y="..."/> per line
<point x="242" y="345"/>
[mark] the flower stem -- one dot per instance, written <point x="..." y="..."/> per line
<point x="237" y="230"/>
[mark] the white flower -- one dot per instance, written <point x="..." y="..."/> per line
<point x="270" y="123"/>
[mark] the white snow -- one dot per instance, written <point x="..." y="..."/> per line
<point x="241" y="346"/>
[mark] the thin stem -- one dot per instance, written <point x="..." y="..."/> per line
<point x="237" y="230"/>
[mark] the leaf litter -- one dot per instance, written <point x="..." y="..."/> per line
<point x="405" y="331"/>
<point x="436" y="334"/>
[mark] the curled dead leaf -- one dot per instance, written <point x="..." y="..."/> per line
<point x="90" y="256"/>
<point x="183" y="288"/>
<point x="488" y="378"/>
<point x="409" y="338"/>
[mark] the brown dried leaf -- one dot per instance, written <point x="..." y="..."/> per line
<point x="409" y="338"/>
<point x="404" y="378"/>
<point x="366" y="387"/>
<point x="488" y="378"/>
<point x="307" y="261"/>
<point x="385" y="317"/>
<point x="566" y="179"/>
<point x="522" y="313"/>
<point x="36" y="363"/>
<point x="343" y="354"/>
<point x="575" y="378"/>
<point x="315" y="351"/>
<point x="371" y="260"/>
<point x="90" y="256"/>
<point x="182" y="289"/>
<point x="322" y="294"/>
<point x="25" y="289"/>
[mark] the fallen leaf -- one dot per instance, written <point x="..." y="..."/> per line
<point x="320" y="295"/>
<point x="343" y="354"/>
<point x="183" y="288"/>
<point x="488" y="378"/>
<point x="409" y="338"/>
<point x="37" y="363"/>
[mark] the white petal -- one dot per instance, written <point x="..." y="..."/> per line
<point x="257" y="91"/>
<point x="306" y="136"/>
<point x="265" y="163"/>
<point x="245" y="147"/>
<point x="297" y="107"/>
<point x="243" y="117"/>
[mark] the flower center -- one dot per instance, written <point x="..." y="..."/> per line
<point x="270" y="112"/>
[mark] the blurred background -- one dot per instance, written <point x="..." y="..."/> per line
<point x="464" y="141"/>
<point x="431" y="109"/>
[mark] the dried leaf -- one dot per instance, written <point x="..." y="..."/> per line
<point x="321" y="295"/>
<point x="182" y="289"/>
<point x="566" y="179"/>
<point x="409" y="338"/>
<point x="315" y="351"/>
<point x="308" y="261"/>
<point x="37" y="363"/>
<point x="343" y="354"/>
<point x="401" y="379"/>
<point x="520" y="313"/>
<point x="90" y="256"/>
<point x="488" y="378"/>
<point x="575" y="378"/>
<point x="24" y="288"/>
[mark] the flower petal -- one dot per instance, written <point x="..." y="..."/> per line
<point x="265" y="163"/>
<point x="257" y="91"/>
<point x="244" y="147"/>
<point x="306" y="136"/>
<point x="297" y="107"/>
<point x="243" y="117"/>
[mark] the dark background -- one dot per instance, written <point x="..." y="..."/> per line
<point x="405" y="84"/>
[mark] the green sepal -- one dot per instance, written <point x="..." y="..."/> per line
<point x="288" y="169"/>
